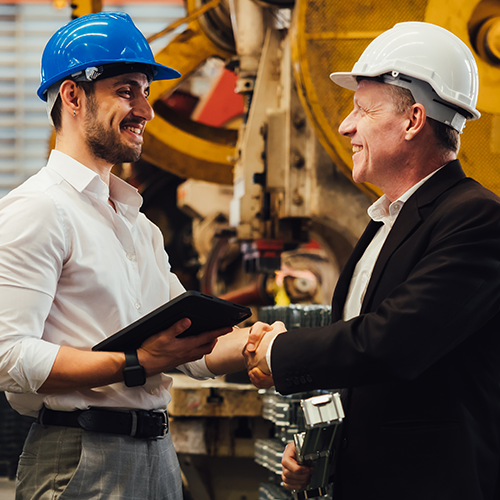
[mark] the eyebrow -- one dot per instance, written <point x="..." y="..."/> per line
<point x="132" y="82"/>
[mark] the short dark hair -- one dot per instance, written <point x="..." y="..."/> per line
<point x="447" y="137"/>
<point x="55" y="114"/>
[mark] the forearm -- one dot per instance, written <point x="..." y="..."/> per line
<point x="227" y="356"/>
<point x="75" y="370"/>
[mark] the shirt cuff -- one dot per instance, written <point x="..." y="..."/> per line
<point x="197" y="369"/>
<point x="33" y="365"/>
<point x="268" y="355"/>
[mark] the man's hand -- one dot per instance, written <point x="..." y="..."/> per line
<point x="75" y="369"/>
<point x="295" y="476"/>
<point x="164" y="351"/>
<point x="261" y="334"/>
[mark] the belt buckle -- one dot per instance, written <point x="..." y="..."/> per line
<point x="165" y="422"/>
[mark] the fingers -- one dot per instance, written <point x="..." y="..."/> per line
<point x="179" y="327"/>
<point x="165" y="350"/>
<point x="255" y="335"/>
<point x="294" y="475"/>
<point x="259" y="379"/>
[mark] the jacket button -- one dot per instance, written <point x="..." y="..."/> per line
<point x="296" y="380"/>
<point x="309" y="378"/>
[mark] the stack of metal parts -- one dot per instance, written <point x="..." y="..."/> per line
<point x="297" y="316"/>
<point x="285" y="411"/>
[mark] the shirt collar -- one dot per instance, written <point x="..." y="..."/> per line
<point x="383" y="210"/>
<point x="126" y="198"/>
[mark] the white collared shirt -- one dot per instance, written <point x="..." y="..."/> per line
<point x="381" y="211"/>
<point x="72" y="272"/>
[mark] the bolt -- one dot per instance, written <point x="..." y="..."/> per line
<point x="297" y="160"/>
<point x="299" y="122"/>
<point x="298" y="199"/>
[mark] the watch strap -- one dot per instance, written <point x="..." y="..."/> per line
<point x="133" y="373"/>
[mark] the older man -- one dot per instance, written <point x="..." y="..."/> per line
<point x="416" y="312"/>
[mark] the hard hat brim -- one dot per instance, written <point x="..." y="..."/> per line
<point x="345" y="80"/>
<point x="160" y="71"/>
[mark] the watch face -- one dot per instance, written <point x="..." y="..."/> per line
<point x="134" y="376"/>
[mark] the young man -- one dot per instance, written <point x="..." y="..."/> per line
<point x="414" y="336"/>
<point x="78" y="262"/>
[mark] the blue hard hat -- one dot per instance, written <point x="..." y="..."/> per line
<point x="84" y="46"/>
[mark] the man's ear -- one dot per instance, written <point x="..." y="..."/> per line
<point x="416" y="121"/>
<point x="71" y="96"/>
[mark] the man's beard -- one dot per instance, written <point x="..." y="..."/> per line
<point x="104" y="143"/>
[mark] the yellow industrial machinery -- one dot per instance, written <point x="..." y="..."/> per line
<point x="286" y="158"/>
<point x="327" y="35"/>
<point x="332" y="35"/>
<point x="324" y="36"/>
<point x="177" y="144"/>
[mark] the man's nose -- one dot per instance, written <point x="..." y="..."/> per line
<point x="347" y="127"/>
<point x="143" y="109"/>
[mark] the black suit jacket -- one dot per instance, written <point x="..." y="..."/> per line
<point x="422" y="361"/>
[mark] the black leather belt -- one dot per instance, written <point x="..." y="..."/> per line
<point x="135" y="423"/>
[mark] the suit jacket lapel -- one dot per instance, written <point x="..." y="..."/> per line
<point x="344" y="280"/>
<point x="411" y="216"/>
<point x="407" y="220"/>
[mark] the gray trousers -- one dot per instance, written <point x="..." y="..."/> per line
<point x="71" y="464"/>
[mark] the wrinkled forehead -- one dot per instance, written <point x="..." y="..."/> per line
<point x="372" y="88"/>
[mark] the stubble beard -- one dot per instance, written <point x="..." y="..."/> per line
<point x="104" y="143"/>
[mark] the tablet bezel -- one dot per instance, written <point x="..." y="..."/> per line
<point x="206" y="313"/>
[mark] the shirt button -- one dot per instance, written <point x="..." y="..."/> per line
<point x="137" y="305"/>
<point x="130" y="256"/>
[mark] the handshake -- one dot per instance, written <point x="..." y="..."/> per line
<point x="295" y="476"/>
<point x="260" y="337"/>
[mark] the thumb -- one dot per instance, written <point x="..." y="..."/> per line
<point x="255" y="335"/>
<point x="179" y="327"/>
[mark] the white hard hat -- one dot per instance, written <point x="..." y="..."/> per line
<point x="434" y="64"/>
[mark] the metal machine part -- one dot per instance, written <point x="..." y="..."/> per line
<point x="309" y="417"/>
<point x="322" y="411"/>
<point x="175" y="142"/>
<point x="281" y="177"/>
<point x="322" y="415"/>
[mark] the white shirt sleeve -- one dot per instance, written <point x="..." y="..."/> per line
<point x="25" y="359"/>
<point x="268" y="355"/>
<point x="32" y="248"/>
<point x="197" y="370"/>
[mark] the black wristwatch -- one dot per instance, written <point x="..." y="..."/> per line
<point x="133" y="373"/>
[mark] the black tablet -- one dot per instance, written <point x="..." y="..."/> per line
<point x="205" y="312"/>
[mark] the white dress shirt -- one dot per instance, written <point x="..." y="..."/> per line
<point x="381" y="211"/>
<point x="72" y="272"/>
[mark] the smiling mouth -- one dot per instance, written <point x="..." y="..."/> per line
<point x="134" y="130"/>
<point x="356" y="149"/>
